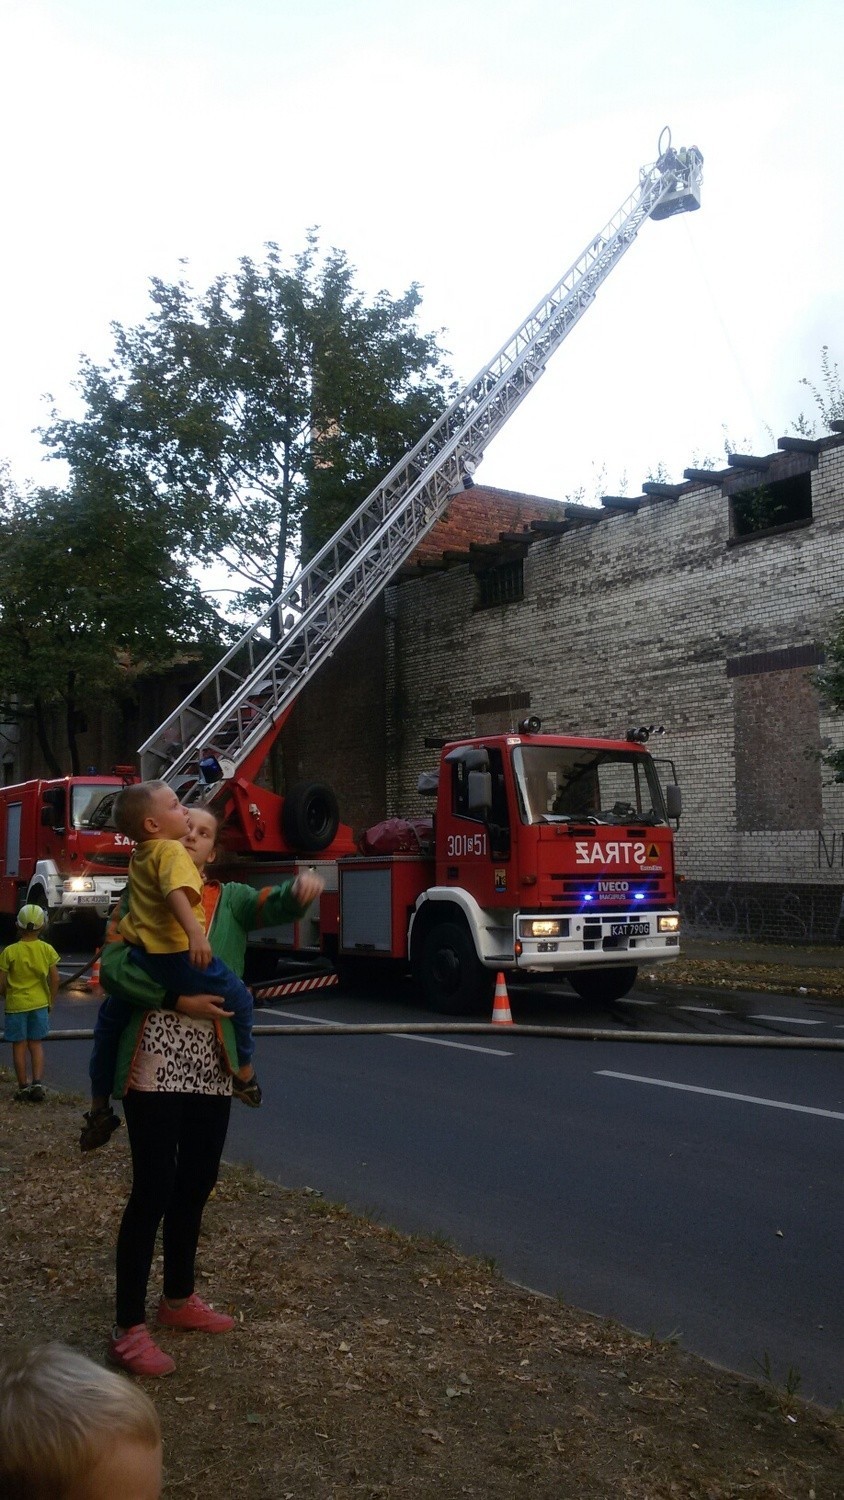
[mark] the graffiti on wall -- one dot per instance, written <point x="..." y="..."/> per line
<point x="831" y="849"/>
<point x="778" y="914"/>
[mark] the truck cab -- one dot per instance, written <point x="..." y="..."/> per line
<point x="59" y="847"/>
<point x="553" y="855"/>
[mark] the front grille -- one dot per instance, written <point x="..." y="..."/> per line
<point x="578" y="886"/>
<point x="579" y="893"/>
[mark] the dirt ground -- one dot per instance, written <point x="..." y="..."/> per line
<point x="367" y="1363"/>
<point x="743" y="975"/>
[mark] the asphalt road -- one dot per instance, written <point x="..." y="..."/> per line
<point x="687" y="1192"/>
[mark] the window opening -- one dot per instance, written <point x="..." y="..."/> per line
<point x="503" y="584"/>
<point x="780" y="503"/>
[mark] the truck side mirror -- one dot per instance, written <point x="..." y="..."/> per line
<point x="479" y="792"/>
<point x="674" y="800"/>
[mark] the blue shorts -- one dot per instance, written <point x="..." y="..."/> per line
<point x="27" y="1025"/>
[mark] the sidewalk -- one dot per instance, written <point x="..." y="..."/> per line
<point x="796" y="955"/>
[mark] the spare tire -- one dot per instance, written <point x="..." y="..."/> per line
<point x="310" y="816"/>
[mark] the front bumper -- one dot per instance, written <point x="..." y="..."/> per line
<point x="604" y="939"/>
<point x="101" y="900"/>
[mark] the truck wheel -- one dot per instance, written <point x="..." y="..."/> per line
<point x="451" y="979"/>
<point x="595" y="985"/>
<point x="309" y="816"/>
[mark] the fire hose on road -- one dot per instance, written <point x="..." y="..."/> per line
<point x="488" y="1028"/>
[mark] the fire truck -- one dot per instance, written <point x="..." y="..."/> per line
<point x="59" y="847"/>
<point x="546" y="855"/>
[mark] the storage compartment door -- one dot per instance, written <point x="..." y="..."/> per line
<point x="365" y="911"/>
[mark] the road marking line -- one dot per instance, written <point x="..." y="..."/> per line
<point x="292" y="1015"/>
<point x="297" y="1015"/>
<point x="439" y="1041"/>
<point x="702" y="1010"/>
<point x="690" y="1088"/>
<point x="788" y="1020"/>
<point x="625" y="1000"/>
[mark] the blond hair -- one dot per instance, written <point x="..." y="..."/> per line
<point x="132" y="805"/>
<point x="59" y="1412"/>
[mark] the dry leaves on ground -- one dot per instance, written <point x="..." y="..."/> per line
<point x="371" y="1364"/>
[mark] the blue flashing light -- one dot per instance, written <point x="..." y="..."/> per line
<point x="638" y="895"/>
<point x="587" y="896"/>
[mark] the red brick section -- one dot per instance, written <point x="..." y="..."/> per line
<point x="480" y="514"/>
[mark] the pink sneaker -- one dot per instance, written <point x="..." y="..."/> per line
<point x="195" y="1315"/>
<point x="136" y="1352"/>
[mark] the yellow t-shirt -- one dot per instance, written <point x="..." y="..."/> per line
<point x="157" y="867"/>
<point x="28" y="966"/>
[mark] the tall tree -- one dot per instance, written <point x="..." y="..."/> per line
<point x="259" y="412"/>
<point x="89" y="593"/>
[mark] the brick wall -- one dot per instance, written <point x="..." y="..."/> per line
<point x="635" y="620"/>
<point x="336" y="730"/>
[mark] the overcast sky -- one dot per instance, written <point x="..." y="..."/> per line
<point x="473" y="147"/>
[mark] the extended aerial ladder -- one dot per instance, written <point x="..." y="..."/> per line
<point x="232" y="717"/>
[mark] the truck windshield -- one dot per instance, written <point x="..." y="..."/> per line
<point x="92" y="806"/>
<point x="568" y="783"/>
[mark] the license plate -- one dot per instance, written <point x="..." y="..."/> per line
<point x="87" y="898"/>
<point x="630" y="929"/>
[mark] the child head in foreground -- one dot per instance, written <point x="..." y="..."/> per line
<point x="74" y="1431"/>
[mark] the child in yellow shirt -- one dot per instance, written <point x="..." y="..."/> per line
<point x="29" y="982"/>
<point x="165" y="922"/>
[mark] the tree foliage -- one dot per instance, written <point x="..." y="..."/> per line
<point x="828" y="396"/>
<point x="258" y="413"/>
<point x="89" y="594"/>
<point x="830" y="680"/>
<point x="829" y="400"/>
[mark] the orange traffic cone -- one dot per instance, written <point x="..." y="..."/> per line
<point x="501" y="1005"/>
<point x="94" y="977"/>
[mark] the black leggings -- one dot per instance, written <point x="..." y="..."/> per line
<point x="177" y="1141"/>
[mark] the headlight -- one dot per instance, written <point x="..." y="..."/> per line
<point x="543" y="927"/>
<point x="79" y="883"/>
<point x="668" y="924"/>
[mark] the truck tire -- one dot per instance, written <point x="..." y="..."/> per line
<point x="310" y="817"/>
<point x="596" y="985"/>
<point x="452" y="980"/>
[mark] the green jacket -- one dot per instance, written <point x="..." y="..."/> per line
<point x="232" y="912"/>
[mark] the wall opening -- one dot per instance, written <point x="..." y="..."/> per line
<point x="778" y="765"/>
<point x="503" y="584"/>
<point x="767" y="507"/>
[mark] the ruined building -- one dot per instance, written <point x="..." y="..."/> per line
<point x="701" y="606"/>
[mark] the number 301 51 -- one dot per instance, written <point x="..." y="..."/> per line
<point x="466" y="843"/>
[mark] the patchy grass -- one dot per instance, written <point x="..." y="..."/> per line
<point x="747" y="975"/>
<point x="367" y="1363"/>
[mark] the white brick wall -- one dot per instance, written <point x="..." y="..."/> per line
<point x="632" y="621"/>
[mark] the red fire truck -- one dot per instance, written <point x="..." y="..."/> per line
<point x="547" y="854"/>
<point x="59" y="848"/>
